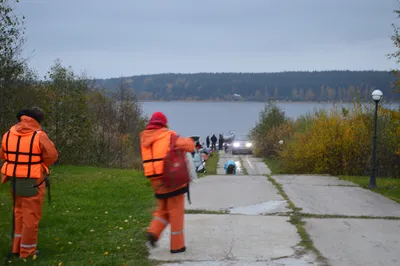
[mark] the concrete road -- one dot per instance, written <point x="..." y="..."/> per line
<point x="244" y="236"/>
<point x="251" y="233"/>
<point x="254" y="166"/>
<point x="223" y="158"/>
<point x="351" y="241"/>
<point x="357" y="242"/>
<point x="236" y="194"/>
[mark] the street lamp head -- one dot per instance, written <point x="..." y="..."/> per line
<point x="377" y="95"/>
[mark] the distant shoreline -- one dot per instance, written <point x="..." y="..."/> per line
<point x="244" y="101"/>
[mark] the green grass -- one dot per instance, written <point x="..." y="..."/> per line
<point x="97" y="217"/>
<point x="274" y="165"/>
<point x="244" y="170"/>
<point x="211" y="166"/>
<point x="388" y="187"/>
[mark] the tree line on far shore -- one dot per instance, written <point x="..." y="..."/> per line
<point x="284" y="86"/>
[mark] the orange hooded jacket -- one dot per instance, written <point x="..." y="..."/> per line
<point x="27" y="126"/>
<point x="154" y="147"/>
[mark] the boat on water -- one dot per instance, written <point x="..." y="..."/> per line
<point x="229" y="137"/>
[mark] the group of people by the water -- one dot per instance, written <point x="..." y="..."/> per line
<point x="213" y="142"/>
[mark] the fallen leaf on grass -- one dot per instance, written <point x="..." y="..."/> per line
<point x="106" y="253"/>
<point x="60" y="263"/>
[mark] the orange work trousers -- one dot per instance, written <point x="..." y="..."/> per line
<point x="28" y="212"/>
<point x="170" y="211"/>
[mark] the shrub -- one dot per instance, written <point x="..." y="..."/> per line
<point x="270" y="118"/>
<point x="88" y="126"/>
<point x="337" y="142"/>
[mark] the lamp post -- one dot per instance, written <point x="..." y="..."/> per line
<point x="376" y="96"/>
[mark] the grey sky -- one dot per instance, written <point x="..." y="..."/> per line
<point x="129" y="37"/>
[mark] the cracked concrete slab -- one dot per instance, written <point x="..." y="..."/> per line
<point x="239" y="238"/>
<point x="261" y="208"/>
<point x="312" y="180"/>
<point x="354" y="201"/>
<point x="255" y="166"/>
<point x="356" y="242"/>
<point x="222" y="192"/>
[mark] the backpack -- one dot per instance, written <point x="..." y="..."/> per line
<point x="176" y="172"/>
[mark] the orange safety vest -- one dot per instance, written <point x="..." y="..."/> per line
<point x="22" y="155"/>
<point x="153" y="166"/>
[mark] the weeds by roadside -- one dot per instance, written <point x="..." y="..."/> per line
<point x="296" y="219"/>
<point x="211" y="166"/>
<point x="336" y="141"/>
<point x="274" y="165"/>
<point x="244" y="170"/>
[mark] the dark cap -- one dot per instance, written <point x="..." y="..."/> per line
<point x="35" y="112"/>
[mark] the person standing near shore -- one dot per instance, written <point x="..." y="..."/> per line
<point x="208" y="142"/>
<point x="214" y="142"/>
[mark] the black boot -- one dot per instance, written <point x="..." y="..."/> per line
<point x="178" y="250"/>
<point x="152" y="239"/>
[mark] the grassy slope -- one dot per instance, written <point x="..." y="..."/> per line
<point x="274" y="166"/>
<point x="388" y="187"/>
<point x="97" y="217"/>
<point x="211" y="166"/>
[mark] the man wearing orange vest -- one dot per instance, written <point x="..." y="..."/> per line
<point x="27" y="153"/>
<point x="155" y="143"/>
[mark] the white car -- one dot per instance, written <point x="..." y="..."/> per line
<point x="242" y="145"/>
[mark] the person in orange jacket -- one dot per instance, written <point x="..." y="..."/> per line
<point x="155" y="143"/>
<point x="27" y="152"/>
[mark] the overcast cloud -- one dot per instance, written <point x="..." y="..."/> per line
<point x="130" y="37"/>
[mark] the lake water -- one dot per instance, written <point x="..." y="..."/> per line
<point x="206" y="118"/>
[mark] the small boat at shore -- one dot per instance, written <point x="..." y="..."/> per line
<point x="229" y="137"/>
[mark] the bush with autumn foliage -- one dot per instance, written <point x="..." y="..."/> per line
<point x="337" y="141"/>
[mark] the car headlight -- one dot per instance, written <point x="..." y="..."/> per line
<point x="248" y="144"/>
<point x="236" y="144"/>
